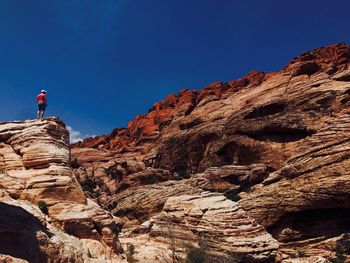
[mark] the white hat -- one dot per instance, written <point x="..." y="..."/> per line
<point x="43" y="91"/>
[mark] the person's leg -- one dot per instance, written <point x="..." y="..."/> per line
<point x="43" y="108"/>
<point x="38" y="113"/>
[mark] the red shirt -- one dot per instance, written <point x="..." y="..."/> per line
<point x="41" y="98"/>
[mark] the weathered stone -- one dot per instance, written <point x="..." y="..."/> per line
<point x="26" y="235"/>
<point x="35" y="166"/>
<point x="210" y="220"/>
<point x="276" y="141"/>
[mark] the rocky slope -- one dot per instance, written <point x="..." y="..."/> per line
<point x="35" y="172"/>
<point x="265" y="157"/>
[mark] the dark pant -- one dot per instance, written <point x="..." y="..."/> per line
<point x="41" y="106"/>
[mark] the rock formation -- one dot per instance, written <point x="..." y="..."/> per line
<point x="252" y="170"/>
<point x="275" y="144"/>
<point x="35" y="172"/>
<point x="214" y="224"/>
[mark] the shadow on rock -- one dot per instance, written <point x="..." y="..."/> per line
<point x="21" y="233"/>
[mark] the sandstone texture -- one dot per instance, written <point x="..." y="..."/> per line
<point x="217" y="223"/>
<point x="35" y="171"/>
<point x="209" y="222"/>
<point x="28" y="235"/>
<point x="275" y="144"/>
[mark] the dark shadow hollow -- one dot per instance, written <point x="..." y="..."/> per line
<point x="266" y="110"/>
<point x="280" y="135"/>
<point x="18" y="234"/>
<point x="328" y="222"/>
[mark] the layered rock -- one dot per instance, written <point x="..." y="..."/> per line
<point x="276" y="142"/>
<point x="225" y="228"/>
<point x="209" y="222"/>
<point x="140" y="202"/>
<point x="35" y="162"/>
<point x="309" y="194"/>
<point x="148" y="127"/>
<point x="35" y="166"/>
<point x="27" y="235"/>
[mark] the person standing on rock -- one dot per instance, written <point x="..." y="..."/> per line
<point x="42" y="103"/>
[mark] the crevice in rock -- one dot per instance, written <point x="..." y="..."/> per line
<point x="186" y="126"/>
<point x="345" y="100"/>
<point x="165" y="123"/>
<point x="18" y="152"/>
<point x="4" y="137"/>
<point x="346" y="97"/>
<point x="190" y="109"/>
<point x="325" y="222"/>
<point x="233" y="153"/>
<point x="316" y="85"/>
<point x="245" y="183"/>
<point x="132" y="214"/>
<point x="344" y="78"/>
<point x="308" y="68"/>
<point x="266" y="110"/>
<point x="327" y="100"/>
<point x="79" y="229"/>
<point x="279" y="135"/>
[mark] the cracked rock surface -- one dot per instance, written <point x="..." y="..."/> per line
<point x="35" y="170"/>
<point x="276" y="143"/>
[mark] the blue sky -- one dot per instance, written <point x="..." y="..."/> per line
<point x="103" y="62"/>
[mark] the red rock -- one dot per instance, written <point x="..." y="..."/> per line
<point x="277" y="142"/>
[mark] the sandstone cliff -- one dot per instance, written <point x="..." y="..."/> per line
<point x="35" y="172"/>
<point x="258" y="167"/>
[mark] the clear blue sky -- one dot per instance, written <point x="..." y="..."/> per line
<point x="105" y="61"/>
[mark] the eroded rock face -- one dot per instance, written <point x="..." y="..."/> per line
<point x="225" y="228"/>
<point x="26" y="235"/>
<point x="276" y="142"/>
<point x="35" y="162"/>
<point x="35" y="166"/>
<point x="208" y="222"/>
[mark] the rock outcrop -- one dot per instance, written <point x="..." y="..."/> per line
<point x="205" y="222"/>
<point x="28" y="235"/>
<point x="276" y="143"/>
<point x="221" y="226"/>
<point x="35" y="171"/>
